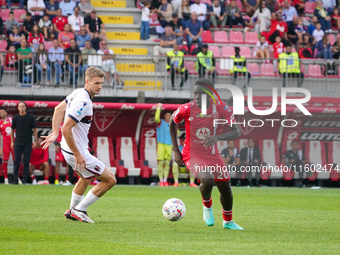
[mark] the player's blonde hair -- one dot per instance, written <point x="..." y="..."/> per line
<point x="94" y="72"/>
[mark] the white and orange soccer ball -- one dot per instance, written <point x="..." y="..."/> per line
<point x="174" y="209"/>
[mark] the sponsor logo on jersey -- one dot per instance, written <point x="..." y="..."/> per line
<point x="202" y="133"/>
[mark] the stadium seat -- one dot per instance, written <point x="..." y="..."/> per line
<point x="221" y="37"/>
<point x="314" y="71"/>
<point x="215" y="49"/>
<point x="333" y="158"/>
<point x="236" y="37"/>
<point x="207" y="37"/>
<point x="251" y="37"/>
<point x="220" y="71"/>
<point x="103" y="148"/>
<point x="3" y="45"/>
<point x="126" y="150"/>
<point x="48" y="45"/>
<point x="190" y="66"/>
<point x="153" y="20"/>
<point x="239" y="4"/>
<point x="331" y="39"/>
<point x="245" y="51"/>
<point x="148" y="151"/>
<point x="270" y="155"/>
<point x="267" y="70"/>
<point x="253" y="68"/>
<point x="17" y="14"/>
<point x="310" y="7"/>
<point x="4" y="14"/>
<point x="315" y="152"/>
<point x="228" y="51"/>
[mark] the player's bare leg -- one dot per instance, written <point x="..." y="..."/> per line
<point x="206" y="186"/>
<point x="56" y="172"/>
<point x="46" y="170"/>
<point x="30" y="172"/>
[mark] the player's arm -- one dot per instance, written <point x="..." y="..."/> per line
<point x="235" y="133"/>
<point x="173" y="134"/>
<point x="59" y="112"/>
<point x="158" y="113"/>
<point x="35" y="135"/>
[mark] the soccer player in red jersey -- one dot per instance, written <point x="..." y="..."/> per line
<point x="39" y="160"/>
<point x="200" y="153"/>
<point x="5" y="141"/>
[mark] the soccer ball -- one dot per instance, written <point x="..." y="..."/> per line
<point x="174" y="209"/>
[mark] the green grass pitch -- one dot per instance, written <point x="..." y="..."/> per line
<point x="129" y="221"/>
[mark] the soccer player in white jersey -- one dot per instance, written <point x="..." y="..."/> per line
<point x="78" y="111"/>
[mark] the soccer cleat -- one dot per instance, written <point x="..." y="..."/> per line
<point x="161" y="184"/>
<point x="208" y="216"/>
<point x="34" y="182"/>
<point x="192" y="184"/>
<point x="67" y="183"/>
<point x="81" y="216"/>
<point x="231" y="225"/>
<point x="56" y="182"/>
<point x="68" y="215"/>
<point x="6" y="180"/>
<point x="176" y="184"/>
<point x="19" y="181"/>
<point x="44" y="182"/>
<point x="166" y="184"/>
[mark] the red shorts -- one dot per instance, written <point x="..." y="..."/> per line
<point x="7" y="150"/>
<point x="59" y="157"/>
<point x="36" y="166"/>
<point x="212" y="163"/>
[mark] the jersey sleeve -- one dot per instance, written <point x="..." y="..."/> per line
<point x="77" y="110"/>
<point x="227" y="114"/>
<point x="180" y="113"/>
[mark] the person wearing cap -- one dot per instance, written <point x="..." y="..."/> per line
<point x="289" y="65"/>
<point x="240" y="67"/>
<point x="218" y="15"/>
<point x="206" y="63"/>
<point x="177" y="28"/>
<point x="93" y="24"/>
<point x="175" y="64"/>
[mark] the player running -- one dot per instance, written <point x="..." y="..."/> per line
<point x="78" y="116"/>
<point x="5" y="141"/>
<point x="200" y="153"/>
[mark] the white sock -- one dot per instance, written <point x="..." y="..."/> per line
<point x="165" y="179"/>
<point x="75" y="199"/>
<point x="88" y="200"/>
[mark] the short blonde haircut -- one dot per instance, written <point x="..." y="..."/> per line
<point x="94" y="72"/>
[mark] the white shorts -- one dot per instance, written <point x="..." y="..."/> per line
<point x="94" y="167"/>
<point x="109" y="68"/>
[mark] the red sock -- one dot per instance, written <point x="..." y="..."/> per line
<point x="32" y="176"/>
<point x="56" y="176"/>
<point x="66" y="177"/>
<point x="4" y="168"/>
<point x="46" y="178"/>
<point x="207" y="203"/>
<point x="227" y="215"/>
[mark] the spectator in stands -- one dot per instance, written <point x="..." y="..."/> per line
<point x="177" y="28"/>
<point x="231" y="157"/>
<point x="329" y="5"/>
<point x="21" y="4"/>
<point x="289" y="65"/>
<point x="311" y="28"/>
<point x="65" y="37"/>
<point x="296" y="159"/>
<point x="85" y="8"/>
<point x="271" y="5"/>
<point x="76" y="21"/>
<point x="336" y="48"/>
<point x="52" y="7"/>
<point x="35" y="38"/>
<point x="59" y="23"/>
<point x="278" y="46"/>
<point x="175" y="64"/>
<point x="323" y="17"/>
<point x="164" y="13"/>
<point x="56" y="58"/>
<point x="288" y="12"/>
<point x="25" y="58"/>
<point x="73" y="60"/>
<point x="95" y="41"/>
<point x="323" y="47"/>
<point x="15" y="37"/>
<point x="251" y="6"/>
<point x="175" y="5"/>
<point x="278" y="27"/>
<point x="206" y="63"/>
<point x="45" y="25"/>
<point x="41" y="63"/>
<point x="201" y="11"/>
<point x="250" y="156"/>
<point x="292" y="35"/>
<point x="336" y="19"/>
<point x="305" y="52"/>
<point x="2" y="34"/>
<point x="85" y="52"/>
<point x="318" y="33"/>
<point x="234" y="14"/>
<point x="299" y="6"/>
<point x="218" y="15"/>
<point x="22" y="126"/>
<point x="167" y="42"/>
<point x="263" y="16"/>
<point x="82" y="37"/>
<point x="67" y="7"/>
<point x="301" y="32"/>
<point x="10" y="23"/>
<point x="262" y="49"/>
<point x="28" y="24"/>
<point x="39" y="161"/>
<point x="144" y="26"/>
<point x="2" y="67"/>
<point x="240" y="67"/>
<point x="36" y="8"/>
<point x="184" y="13"/>
<point x="11" y="58"/>
<point x="94" y="23"/>
<point x="194" y="30"/>
<point x="108" y="64"/>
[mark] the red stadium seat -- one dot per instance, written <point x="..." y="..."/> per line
<point x="251" y="37"/>
<point x="221" y="37"/>
<point x="207" y="37"/>
<point x="332" y="39"/>
<point x="245" y="51"/>
<point x="253" y="68"/>
<point x="314" y="71"/>
<point x="4" y="14"/>
<point x="310" y="7"/>
<point x="270" y="155"/>
<point x="103" y="148"/>
<point x="154" y="20"/>
<point x="333" y="158"/>
<point x="267" y="70"/>
<point x="3" y="45"/>
<point x="315" y="152"/>
<point x="239" y="4"/>
<point x="228" y="51"/>
<point x="190" y="66"/>
<point x="48" y="45"/>
<point x="215" y="50"/>
<point x="17" y="13"/>
<point x="236" y="37"/>
<point x="220" y="71"/>
<point x="148" y="151"/>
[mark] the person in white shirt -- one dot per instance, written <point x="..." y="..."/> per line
<point x="108" y="64"/>
<point x="318" y="33"/>
<point x="144" y="26"/>
<point x="262" y="48"/>
<point x="36" y="8"/>
<point x="76" y="21"/>
<point x="263" y="16"/>
<point x="201" y="10"/>
<point x="77" y="110"/>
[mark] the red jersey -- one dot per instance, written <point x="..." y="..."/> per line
<point x="335" y="20"/>
<point x="198" y="127"/>
<point x="60" y="22"/>
<point x="35" y="39"/>
<point x="39" y="156"/>
<point x="278" y="49"/>
<point x="11" y="58"/>
<point x="280" y="26"/>
<point x="5" y="129"/>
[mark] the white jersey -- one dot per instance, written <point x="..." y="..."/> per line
<point x="79" y="108"/>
